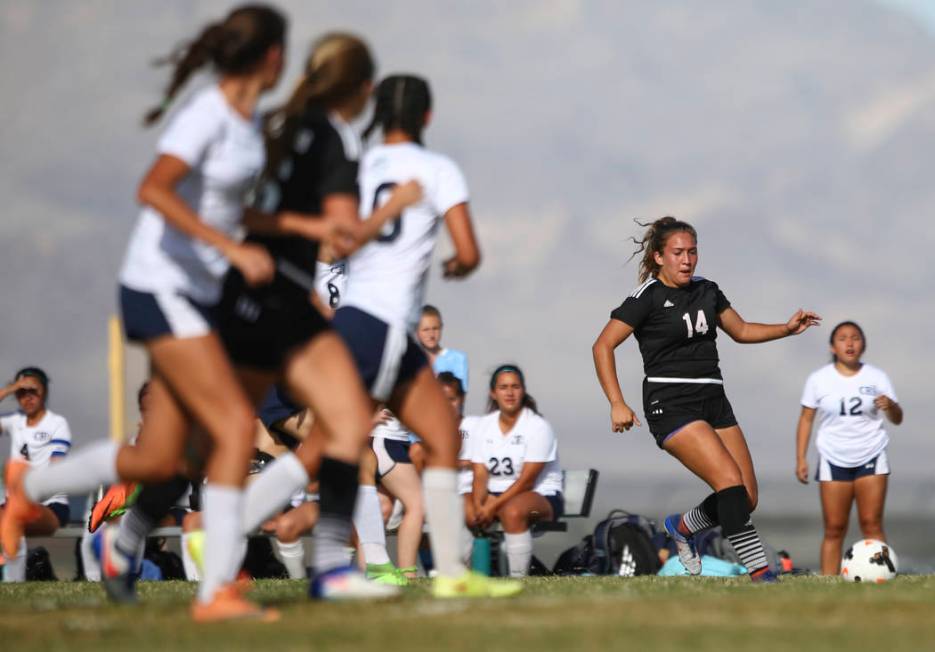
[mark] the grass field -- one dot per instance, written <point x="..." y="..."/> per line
<point x="588" y="613"/>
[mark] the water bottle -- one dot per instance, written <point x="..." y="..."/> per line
<point x="480" y="555"/>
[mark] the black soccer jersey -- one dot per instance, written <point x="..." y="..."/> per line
<point x="676" y="329"/>
<point x="322" y="160"/>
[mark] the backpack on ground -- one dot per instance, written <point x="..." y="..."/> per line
<point x="623" y="546"/>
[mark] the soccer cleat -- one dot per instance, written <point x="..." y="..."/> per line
<point x="386" y="574"/>
<point x="118" y="499"/>
<point x="118" y="574"/>
<point x="19" y="509"/>
<point x="195" y="542"/>
<point x="346" y="583"/>
<point x="474" y="585"/>
<point x="764" y="576"/>
<point x="688" y="554"/>
<point x="228" y="604"/>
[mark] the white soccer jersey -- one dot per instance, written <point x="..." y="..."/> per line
<point x="226" y="154"/>
<point x="387" y="277"/>
<point x="331" y="282"/>
<point x="38" y="444"/>
<point x="466" y="476"/>
<point x="530" y="440"/>
<point x="392" y="429"/>
<point x="850" y="427"/>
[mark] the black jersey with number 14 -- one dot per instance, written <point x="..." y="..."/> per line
<point x="676" y="328"/>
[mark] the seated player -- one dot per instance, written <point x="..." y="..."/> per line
<point x="40" y="437"/>
<point x="517" y="476"/>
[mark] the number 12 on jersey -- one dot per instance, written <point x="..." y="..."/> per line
<point x="701" y="324"/>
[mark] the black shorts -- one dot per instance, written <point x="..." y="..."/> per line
<point x="62" y="512"/>
<point x="389" y="452"/>
<point x="666" y="419"/>
<point x="386" y="356"/>
<point x="276" y="407"/>
<point x="261" y="326"/>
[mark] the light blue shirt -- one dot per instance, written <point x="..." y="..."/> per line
<point x="455" y="362"/>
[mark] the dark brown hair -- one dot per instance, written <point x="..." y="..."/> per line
<point x="234" y="46"/>
<point x="402" y="102"/>
<point x="860" y="330"/>
<point x="428" y="310"/>
<point x="654" y="241"/>
<point x="335" y="71"/>
<point x="528" y="401"/>
<point x="449" y="379"/>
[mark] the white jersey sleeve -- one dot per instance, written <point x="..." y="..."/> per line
<point x="810" y="391"/>
<point x="450" y="188"/>
<point x="6" y="423"/>
<point x="541" y="445"/>
<point x="886" y="387"/>
<point x="191" y="131"/>
<point x="60" y="443"/>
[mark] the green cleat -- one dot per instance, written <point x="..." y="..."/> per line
<point x="474" y="585"/>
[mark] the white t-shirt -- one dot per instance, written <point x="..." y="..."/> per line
<point x="387" y="277"/>
<point x="530" y="440"/>
<point x="392" y="429"/>
<point x="466" y="476"/>
<point x="850" y="427"/>
<point x="38" y="444"/>
<point x="226" y="154"/>
<point x="331" y="282"/>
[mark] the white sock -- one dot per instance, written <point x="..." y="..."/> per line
<point x="293" y="558"/>
<point x="79" y="473"/>
<point x="518" y="552"/>
<point x="444" y="513"/>
<point x="92" y="568"/>
<point x="272" y="490"/>
<point x="192" y="574"/>
<point x="368" y="521"/>
<point x="135" y="526"/>
<point x="15" y="569"/>
<point x="224" y="538"/>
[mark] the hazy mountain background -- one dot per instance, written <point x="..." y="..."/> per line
<point x="797" y="136"/>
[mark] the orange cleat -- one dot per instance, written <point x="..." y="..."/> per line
<point x="19" y="509"/>
<point x="228" y="604"/>
<point x="114" y="503"/>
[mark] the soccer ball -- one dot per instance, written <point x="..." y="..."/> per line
<point x="869" y="560"/>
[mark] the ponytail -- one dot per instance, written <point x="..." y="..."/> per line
<point x="402" y="102"/>
<point x="234" y="46"/>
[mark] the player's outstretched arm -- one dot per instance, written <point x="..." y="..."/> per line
<point x="622" y="418"/>
<point x="752" y="333"/>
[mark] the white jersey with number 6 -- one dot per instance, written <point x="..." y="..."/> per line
<point x="387" y="277"/>
<point x="850" y="427"/>
<point x="530" y="440"/>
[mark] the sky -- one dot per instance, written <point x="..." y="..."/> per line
<point x="796" y="136"/>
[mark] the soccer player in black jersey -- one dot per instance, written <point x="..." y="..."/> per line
<point x="674" y="315"/>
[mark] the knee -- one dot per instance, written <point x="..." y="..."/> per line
<point x="733" y="508"/>
<point x="513" y="517"/>
<point x="871" y="527"/>
<point x="835" y="529"/>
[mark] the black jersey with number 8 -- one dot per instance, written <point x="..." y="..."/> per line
<point x="676" y="328"/>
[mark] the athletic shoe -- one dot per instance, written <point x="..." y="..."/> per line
<point x="118" y="499"/>
<point x="764" y="576"/>
<point x="474" y="585"/>
<point x="386" y="574"/>
<point x="688" y="554"/>
<point x="19" y="509"/>
<point x="228" y="604"/>
<point x="195" y="542"/>
<point x="117" y="568"/>
<point x="347" y="583"/>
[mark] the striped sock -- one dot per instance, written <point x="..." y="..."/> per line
<point x="749" y="548"/>
<point x="702" y="516"/>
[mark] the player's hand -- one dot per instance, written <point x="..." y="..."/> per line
<point x="342" y="236"/>
<point x="408" y="193"/>
<point x="253" y="261"/>
<point x="801" y="321"/>
<point x="801" y="471"/>
<point x="487" y="514"/>
<point x="622" y="418"/>
<point x="451" y="268"/>
<point x="884" y="402"/>
<point x="382" y="417"/>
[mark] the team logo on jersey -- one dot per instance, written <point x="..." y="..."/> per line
<point x="668" y="304"/>
<point x="869" y="390"/>
<point x="40" y="436"/>
<point x="303" y="140"/>
<point x="464" y="434"/>
<point x="247" y="309"/>
<point x="517" y="439"/>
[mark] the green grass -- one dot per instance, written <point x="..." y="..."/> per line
<point x="588" y="613"/>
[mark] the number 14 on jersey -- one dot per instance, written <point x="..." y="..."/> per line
<point x="701" y="324"/>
